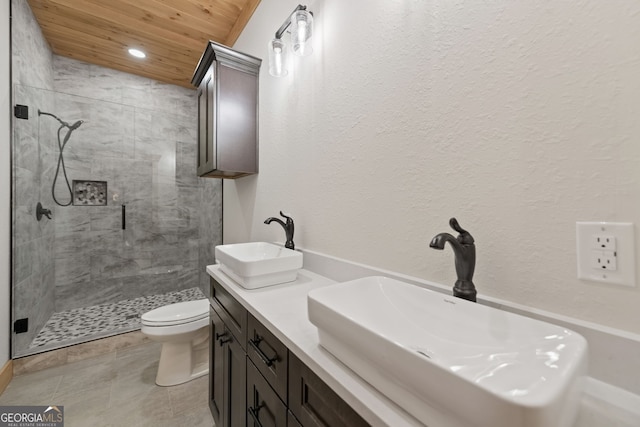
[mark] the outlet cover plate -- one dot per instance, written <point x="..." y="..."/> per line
<point x="624" y="244"/>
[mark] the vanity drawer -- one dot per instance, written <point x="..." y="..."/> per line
<point x="233" y="314"/>
<point x="264" y="408"/>
<point x="314" y="404"/>
<point x="269" y="355"/>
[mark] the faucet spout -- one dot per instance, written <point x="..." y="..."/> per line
<point x="440" y="239"/>
<point x="464" y="250"/>
<point x="278" y="220"/>
<point x="288" y="228"/>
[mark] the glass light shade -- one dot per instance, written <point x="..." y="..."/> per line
<point x="277" y="58"/>
<point x="301" y="32"/>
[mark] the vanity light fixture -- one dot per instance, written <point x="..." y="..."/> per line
<point x="301" y="22"/>
<point x="277" y="58"/>
<point x="137" y="53"/>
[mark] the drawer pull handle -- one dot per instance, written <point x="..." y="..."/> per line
<point x="255" y="344"/>
<point x="254" y="414"/>
<point x="222" y="335"/>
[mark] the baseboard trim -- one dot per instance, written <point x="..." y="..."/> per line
<point x="6" y="373"/>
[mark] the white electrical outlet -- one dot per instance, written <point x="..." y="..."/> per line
<point x="606" y="252"/>
<point x="604" y="242"/>
<point x="604" y="260"/>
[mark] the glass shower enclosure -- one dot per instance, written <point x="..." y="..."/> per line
<point x="109" y="217"/>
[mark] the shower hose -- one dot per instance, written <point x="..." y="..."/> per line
<point x="61" y="145"/>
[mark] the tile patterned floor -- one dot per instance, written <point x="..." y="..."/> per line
<point x="114" y="390"/>
<point x="88" y="322"/>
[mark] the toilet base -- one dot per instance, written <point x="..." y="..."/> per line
<point x="183" y="361"/>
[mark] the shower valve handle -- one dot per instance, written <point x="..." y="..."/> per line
<point x="40" y="212"/>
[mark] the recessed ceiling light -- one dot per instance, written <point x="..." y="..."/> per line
<point x="137" y="53"/>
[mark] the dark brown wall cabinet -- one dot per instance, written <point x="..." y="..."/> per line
<point x="227" y="83"/>
<point x="256" y="381"/>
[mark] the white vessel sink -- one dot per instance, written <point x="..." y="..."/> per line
<point x="258" y="264"/>
<point x="450" y="362"/>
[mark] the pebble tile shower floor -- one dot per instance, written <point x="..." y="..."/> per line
<point x="72" y="325"/>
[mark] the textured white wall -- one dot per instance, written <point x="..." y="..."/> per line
<point x="518" y="118"/>
<point x="5" y="182"/>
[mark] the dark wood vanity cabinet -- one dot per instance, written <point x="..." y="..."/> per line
<point x="256" y="381"/>
<point x="227" y="93"/>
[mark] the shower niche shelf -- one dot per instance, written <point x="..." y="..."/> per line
<point x="89" y="193"/>
<point x="227" y="93"/>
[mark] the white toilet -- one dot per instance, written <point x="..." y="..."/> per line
<point x="183" y="330"/>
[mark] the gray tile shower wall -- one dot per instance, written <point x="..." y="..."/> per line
<point x="140" y="137"/>
<point x="31" y="56"/>
<point x="210" y="226"/>
<point x="33" y="242"/>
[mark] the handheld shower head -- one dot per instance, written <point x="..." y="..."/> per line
<point x="76" y="125"/>
<point x="61" y="145"/>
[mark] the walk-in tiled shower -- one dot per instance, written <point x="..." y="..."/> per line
<point x="154" y="232"/>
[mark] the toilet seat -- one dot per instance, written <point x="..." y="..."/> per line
<point x="177" y="314"/>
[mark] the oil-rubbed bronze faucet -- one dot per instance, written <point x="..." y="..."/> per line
<point x="464" y="250"/>
<point x="288" y="228"/>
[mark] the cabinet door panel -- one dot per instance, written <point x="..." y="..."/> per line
<point x="291" y="420"/>
<point x="237" y="125"/>
<point x="314" y="404"/>
<point x="264" y="408"/>
<point x="216" y="367"/>
<point x="235" y="384"/>
<point x="212" y="149"/>
<point x="202" y="127"/>
<point x="206" y="149"/>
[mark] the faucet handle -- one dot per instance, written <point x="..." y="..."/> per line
<point x="41" y="211"/>
<point x="465" y="237"/>
<point x="282" y="214"/>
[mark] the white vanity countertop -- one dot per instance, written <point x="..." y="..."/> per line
<point x="283" y="310"/>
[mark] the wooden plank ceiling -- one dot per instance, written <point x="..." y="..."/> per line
<point x="173" y="33"/>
